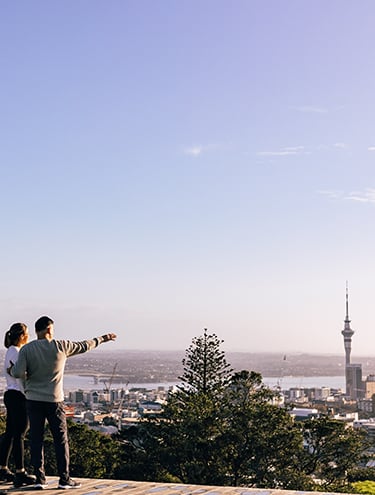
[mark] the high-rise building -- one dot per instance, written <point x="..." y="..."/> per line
<point x="370" y="387"/>
<point x="354" y="383"/>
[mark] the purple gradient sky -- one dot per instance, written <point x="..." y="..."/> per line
<point x="169" y="166"/>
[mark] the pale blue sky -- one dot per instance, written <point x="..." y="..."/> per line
<point x="173" y="165"/>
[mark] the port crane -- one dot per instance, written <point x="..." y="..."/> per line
<point x="108" y="386"/>
<point x="119" y="409"/>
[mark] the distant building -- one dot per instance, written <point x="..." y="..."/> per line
<point x="304" y="413"/>
<point x="77" y="396"/>
<point x="349" y="418"/>
<point x="369" y="386"/>
<point x="93" y="397"/>
<point x="88" y="417"/>
<point x="366" y="405"/>
<point x="354" y="383"/>
<point x="322" y="393"/>
<point x="368" y="425"/>
<point x="295" y="393"/>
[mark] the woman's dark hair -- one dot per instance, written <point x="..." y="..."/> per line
<point x="14" y="334"/>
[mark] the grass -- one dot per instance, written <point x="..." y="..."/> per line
<point x="364" y="487"/>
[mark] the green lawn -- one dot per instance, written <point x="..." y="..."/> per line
<point x="364" y="487"/>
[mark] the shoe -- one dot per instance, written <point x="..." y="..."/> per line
<point x="66" y="485"/>
<point x="22" y="479"/>
<point x="6" y="475"/>
<point x="40" y="484"/>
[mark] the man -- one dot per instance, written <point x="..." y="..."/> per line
<point x="41" y="363"/>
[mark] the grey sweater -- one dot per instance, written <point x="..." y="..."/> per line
<point x="41" y="363"/>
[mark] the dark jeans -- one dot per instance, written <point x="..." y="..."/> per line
<point x="16" y="428"/>
<point x="54" y="413"/>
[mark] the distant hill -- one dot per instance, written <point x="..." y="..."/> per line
<point x="137" y="366"/>
<point x="159" y="366"/>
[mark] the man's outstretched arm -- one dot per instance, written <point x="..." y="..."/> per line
<point x="105" y="338"/>
<point x="73" y="348"/>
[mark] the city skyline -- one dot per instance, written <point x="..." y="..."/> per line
<point x="169" y="167"/>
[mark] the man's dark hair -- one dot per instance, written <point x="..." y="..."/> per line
<point x="43" y="323"/>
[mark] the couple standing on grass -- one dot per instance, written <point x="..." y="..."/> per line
<point x="34" y="374"/>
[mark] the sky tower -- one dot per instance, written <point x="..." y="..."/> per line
<point x="353" y="372"/>
<point x="347" y="332"/>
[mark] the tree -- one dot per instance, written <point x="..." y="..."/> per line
<point x="183" y="443"/>
<point x="331" y="452"/>
<point x="221" y="428"/>
<point x="92" y="454"/>
<point x="205" y="369"/>
<point x="259" y="444"/>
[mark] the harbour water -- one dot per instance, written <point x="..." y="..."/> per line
<point x="287" y="382"/>
<point x="75" y="382"/>
<point x="86" y="383"/>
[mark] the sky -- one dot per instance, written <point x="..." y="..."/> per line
<point x="169" y="166"/>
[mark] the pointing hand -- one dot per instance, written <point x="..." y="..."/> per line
<point x="109" y="336"/>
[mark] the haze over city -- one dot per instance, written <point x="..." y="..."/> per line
<point x="170" y="166"/>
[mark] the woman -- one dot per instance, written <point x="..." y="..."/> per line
<point x="15" y="402"/>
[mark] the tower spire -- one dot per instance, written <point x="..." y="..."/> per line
<point x="347" y="332"/>
<point x="347" y="303"/>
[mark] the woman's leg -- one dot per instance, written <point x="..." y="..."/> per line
<point x="20" y="427"/>
<point x="7" y="440"/>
